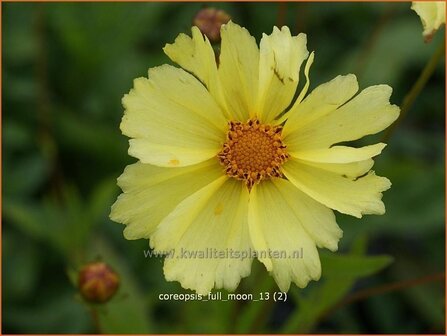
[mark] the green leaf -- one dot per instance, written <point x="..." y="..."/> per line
<point x="24" y="216"/>
<point x="324" y="295"/>
<point x="101" y="199"/>
<point x="339" y="273"/>
<point x="26" y="175"/>
<point x="56" y="314"/>
<point x="21" y="270"/>
<point x="249" y="317"/>
<point x="352" y="266"/>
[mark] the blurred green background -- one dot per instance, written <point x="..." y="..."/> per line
<point x="66" y="67"/>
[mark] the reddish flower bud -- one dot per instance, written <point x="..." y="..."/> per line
<point x="209" y="20"/>
<point x="98" y="282"/>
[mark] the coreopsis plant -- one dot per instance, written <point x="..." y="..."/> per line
<point x="432" y="14"/>
<point x="230" y="161"/>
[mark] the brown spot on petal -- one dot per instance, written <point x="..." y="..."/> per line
<point x="219" y="208"/>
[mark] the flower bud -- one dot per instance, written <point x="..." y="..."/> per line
<point x="209" y="21"/>
<point x="98" y="282"/>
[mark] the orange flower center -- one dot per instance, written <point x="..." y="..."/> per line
<point x="253" y="151"/>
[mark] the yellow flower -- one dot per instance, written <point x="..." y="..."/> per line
<point x="223" y="168"/>
<point x="432" y="14"/>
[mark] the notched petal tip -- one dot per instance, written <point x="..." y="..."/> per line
<point x="381" y="184"/>
<point x="179" y="40"/>
<point x="113" y="215"/>
<point x="350" y="77"/>
<point x="225" y="26"/>
<point x="332" y="244"/>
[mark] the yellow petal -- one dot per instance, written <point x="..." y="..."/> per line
<point x="352" y="197"/>
<point x="351" y="169"/>
<point x="339" y="154"/>
<point x="197" y="56"/>
<point x="172" y="119"/>
<point x="150" y="193"/>
<point x="278" y="237"/>
<point x="281" y="55"/>
<point x="209" y="223"/>
<point x="317" y="219"/>
<point x="432" y="14"/>
<point x="303" y="92"/>
<point x="183" y="89"/>
<point x="321" y="101"/>
<point x="239" y="71"/>
<point x="367" y="113"/>
<point x="168" y="156"/>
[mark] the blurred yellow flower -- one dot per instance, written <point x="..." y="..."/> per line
<point x="228" y="161"/>
<point x="432" y="14"/>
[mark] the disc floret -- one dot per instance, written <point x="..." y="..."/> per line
<point x="253" y="151"/>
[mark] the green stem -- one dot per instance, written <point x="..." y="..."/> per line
<point x="416" y="89"/>
<point x="264" y="312"/>
<point x="95" y="317"/>
<point x="384" y="289"/>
